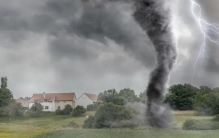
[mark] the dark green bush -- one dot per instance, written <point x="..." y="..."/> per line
<point x="59" y="112"/>
<point x="12" y="110"/>
<point x="67" y="110"/>
<point x="181" y="97"/>
<point x="216" y="118"/>
<point x="78" y="111"/>
<point x="200" y="125"/>
<point x="92" y="107"/>
<point x="89" y="123"/>
<point x="110" y="115"/>
<point x="207" y="103"/>
<point x="189" y="124"/>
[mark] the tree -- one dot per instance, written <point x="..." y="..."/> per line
<point x="5" y="94"/>
<point x="108" y="96"/>
<point x="207" y="103"/>
<point x="36" y="110"/>
<point x="67" y="110"/>
<point x="128" y="94"/>
<point x="143" y="97"/>
<point x="4" y="82"/>
<point x="78" y="111"/>
<point x="14" y="109"/>
<point x="110" y="115"/>
<point x="181" y="97"/>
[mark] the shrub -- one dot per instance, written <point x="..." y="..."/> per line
<point x="92" y="107"/>
<point x="181" y="97"/>
<point x="35" y="110"/>
<point x="207" y="103"/>
<point x="189" y="124"/>
<point x="12" y="110"/>
<point x="59" y="112"/>
<point x="67" y="110"/>
<point x="110" y="115"/>
<point x="78" y="111"/>
<point x="200" y="125"/>
<point x="88" y="123"/>
<point x="216" y="118"/>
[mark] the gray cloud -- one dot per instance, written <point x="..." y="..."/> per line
<point x="52" y="46"/>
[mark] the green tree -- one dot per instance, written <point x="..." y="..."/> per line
<point x="4" y="82"/>
<point x="207" y="103"/>
<point x="78" y="111"/>
<point x="128" y="94"/>
<point x="67" y="110"/>
<point x="5" y="94"/>
<point x="14" y="109"/>
<point x="143" y="97"/>
<point x="36" y="110"/>
<point x="108" y="96"/>
<point x="110" y="115"/>
<point x="181" y="97"/>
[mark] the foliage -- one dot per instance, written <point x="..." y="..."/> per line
<point x="109" y="115"/>
<point x="200" y="125"/>
<point x="143" y="97"/>
<point x="181" y="97"/>
<point x="108" y="96"/>
<point x="14" y="109"/>
<point x="35" y="110"/>
<point x="5" y="97"/>
<point x="128" y="94"/>
<point x="78" y="111"/>
<point x="207" y="103"/>
<point x="4" y="82"/>
<point x="216" y="118"/>
<point x="189" y="124"/>
<point x="89" y="123"/>
<point x="59" y="112"/>
<point x="92" y="107"/>
<point x="67" y="110"/>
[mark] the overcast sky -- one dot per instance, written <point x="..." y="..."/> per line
<point x="78" y="46"/>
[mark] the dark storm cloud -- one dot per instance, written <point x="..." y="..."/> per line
<point x="112" y="21"/>
<point x="70" y="45"/>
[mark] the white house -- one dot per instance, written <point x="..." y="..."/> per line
<point x="53" y="101"/>
<point x="86" y="99"/>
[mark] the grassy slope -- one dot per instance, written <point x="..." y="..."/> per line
<point x="24" y="128"/>
<point x="113" y="133"/>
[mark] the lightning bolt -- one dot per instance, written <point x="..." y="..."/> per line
<point x="207" y="29"/>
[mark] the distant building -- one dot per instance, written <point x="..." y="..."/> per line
<point x="53" y="101"/>
<point x="23" y="102"/>
<point x="86" y="99"/>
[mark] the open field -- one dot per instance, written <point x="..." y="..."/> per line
<point x="56" y="127"/>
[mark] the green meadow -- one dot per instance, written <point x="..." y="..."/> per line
<point x="54" y="126"/>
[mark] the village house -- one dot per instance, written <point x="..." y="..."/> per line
<point x="53" y="101"/>
<point x="23" y="102"/>
<point x="86" y="99"/>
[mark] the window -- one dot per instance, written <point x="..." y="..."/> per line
<point x="64" y="101"/>
<point x="58" y="107"/>
<point x="57" y="101"/>
<point x="46" y="107"/>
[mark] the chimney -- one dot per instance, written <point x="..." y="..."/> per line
<point x="44" y="94"/>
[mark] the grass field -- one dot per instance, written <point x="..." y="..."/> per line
<point x="56" y="127"/>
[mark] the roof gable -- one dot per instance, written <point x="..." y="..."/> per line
<point x="93" y="97"/>
<point x="53" y="96"/>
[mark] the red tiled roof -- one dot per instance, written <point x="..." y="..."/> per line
<point x="93" y="97"/>
<point x="53" y="96"/>
<point x="22" y="102"/>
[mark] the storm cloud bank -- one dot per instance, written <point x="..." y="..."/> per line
<point x="73" y="45"/>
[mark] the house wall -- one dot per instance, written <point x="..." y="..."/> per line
<point x="83" y="100"/>
<point x="50" y="105"/>
<point x="62" y="104"/>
